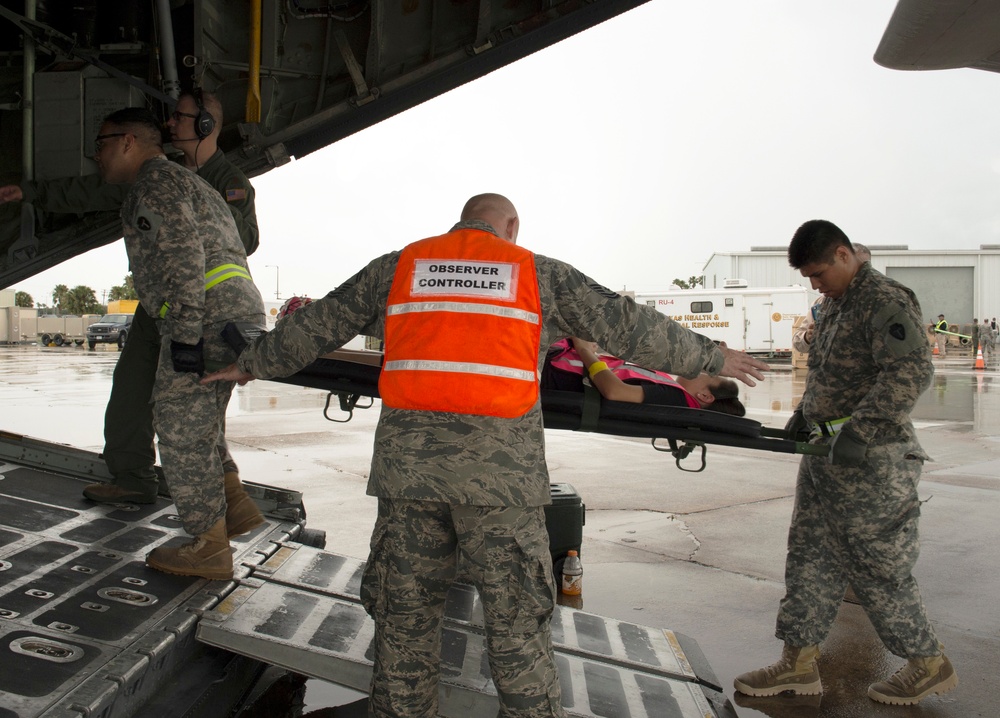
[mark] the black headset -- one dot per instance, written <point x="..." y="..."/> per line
<point x="204" y="123"/>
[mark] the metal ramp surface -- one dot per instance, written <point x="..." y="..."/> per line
<point x="300" y="610"/>
<point x="86" y="629"/>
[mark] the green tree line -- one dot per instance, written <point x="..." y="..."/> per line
<point x="80" y="299"/>
<point x="691" y="282"/>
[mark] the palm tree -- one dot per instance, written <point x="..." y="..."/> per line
<point x="126" y="290"/>
<point x="82" y="300"/>
<point x="60" y="297"/>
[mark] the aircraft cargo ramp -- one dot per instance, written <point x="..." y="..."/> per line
<point x="86" y="629"/>
<point x="300" y="610"/>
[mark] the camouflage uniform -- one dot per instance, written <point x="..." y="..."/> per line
<point x="454" y="485"/>
<point x="128" y="420"/>
<point x="988" y="340"/>
<point x="869" y="360"/>
<point x="940" y="327"/>
<point x="177" y="227"/>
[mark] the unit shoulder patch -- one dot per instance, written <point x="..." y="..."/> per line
<point x="147" y="221"/>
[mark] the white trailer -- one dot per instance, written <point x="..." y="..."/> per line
<point x="64" y="330"/>
<point x="755" y="320"/>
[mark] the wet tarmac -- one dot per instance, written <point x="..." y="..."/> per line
<point x="699" y="553"/>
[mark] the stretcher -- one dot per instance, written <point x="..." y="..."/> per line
<point x="352" y="376"/>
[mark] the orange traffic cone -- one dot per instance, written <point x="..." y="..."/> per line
<point x="935" y="352"/>
<point x="980" y="364"/>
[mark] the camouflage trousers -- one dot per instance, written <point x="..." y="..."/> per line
<point x="190" y="419"/>
<point x="857" y="525"/>
<point x="128" y="420"/>
<point x="415" y="549"/>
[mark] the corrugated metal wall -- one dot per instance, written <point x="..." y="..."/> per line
<point x="770" y="269"/>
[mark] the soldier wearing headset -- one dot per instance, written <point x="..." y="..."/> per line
<point x="194" y="128"/>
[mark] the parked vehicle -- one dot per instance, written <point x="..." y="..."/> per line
<point x="61" y="330"/>
<point x="113" y="328"/>
<point x="755" y="320"/>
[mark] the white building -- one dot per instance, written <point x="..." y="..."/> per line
<point x="962" y="284"/>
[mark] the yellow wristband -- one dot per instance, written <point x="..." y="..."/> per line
<point x="596" y="368"/>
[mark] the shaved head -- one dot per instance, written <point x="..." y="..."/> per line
<point x="496" y="210"/>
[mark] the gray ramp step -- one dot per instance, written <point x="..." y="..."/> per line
<point x="300" y="610"/>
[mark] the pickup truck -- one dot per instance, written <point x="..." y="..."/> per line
<point x="111" y="328"/>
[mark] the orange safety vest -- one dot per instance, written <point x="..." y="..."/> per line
<point x="463" y="327"/>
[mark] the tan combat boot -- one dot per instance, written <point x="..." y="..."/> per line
<point x="919" y="678"/>
<point x="242" y="514"/>
<point x="796" y="672"/>
<point x="207" y="556"/>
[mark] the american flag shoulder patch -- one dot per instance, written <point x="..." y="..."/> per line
<point x="235" y="195"/>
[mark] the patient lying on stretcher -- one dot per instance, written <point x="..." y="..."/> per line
<point x="570" y="360"/>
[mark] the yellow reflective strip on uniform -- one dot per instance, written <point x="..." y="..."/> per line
<point x="459" y="368"/>
<point x="221" y="268"/>
<point x="829" y="428"/>
<point x="213" y="277"/>
<point x="836" y="425"/>
<point x="238" y="272"/>
<point x="466" y="307"/>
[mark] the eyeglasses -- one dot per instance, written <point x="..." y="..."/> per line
<point x="177" y="115"/>
<point x="99" y="140"/>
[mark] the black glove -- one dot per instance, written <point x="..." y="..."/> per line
<point x="797" y="428"/>
<point x="847" y="448"/>
<point x="188" y="357"/>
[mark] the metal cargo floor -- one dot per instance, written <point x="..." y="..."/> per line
<point x="300" y="610"/>
<point x="86" y="629"/>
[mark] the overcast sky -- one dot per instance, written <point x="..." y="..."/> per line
<point x="640" y="147"/>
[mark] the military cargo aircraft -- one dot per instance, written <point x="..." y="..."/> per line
<point x="293" y="76"/>
<point x="929" y="35"/>
<point x="85" y="627"/>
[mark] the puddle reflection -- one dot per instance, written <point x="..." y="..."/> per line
<point x="955" y="395"/>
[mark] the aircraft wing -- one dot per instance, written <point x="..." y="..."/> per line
<point x="293" y="76"/>
<point x="941" y="35"/>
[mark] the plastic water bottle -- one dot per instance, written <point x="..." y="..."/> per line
<point x="572" y="574"/>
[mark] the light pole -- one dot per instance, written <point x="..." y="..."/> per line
<point x="276" y="278"/>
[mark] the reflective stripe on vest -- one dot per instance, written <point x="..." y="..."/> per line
<point x="463" y="326"/>
<point x="510" y="312"/>
<point x="569" y="360"/>
<point x="214" y="277"/>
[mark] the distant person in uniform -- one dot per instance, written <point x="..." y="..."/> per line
<point x="988" y="340"/>
<point x="191" y="275"/>
<point x="129" y="450"/>
<point x="974" y="340"/>
<point x="857" y="510"/>
<point x="803" y="336"/>
<point x="459" y="462"/>
<point x="940" y="328"/>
